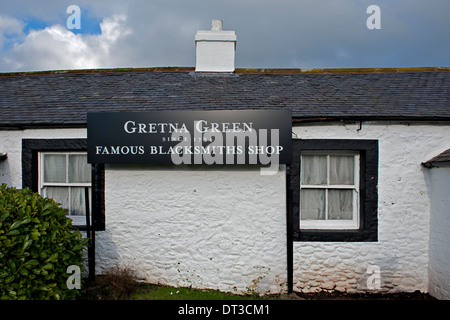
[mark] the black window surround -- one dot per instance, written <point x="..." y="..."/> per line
<point x="30" y="171"/>
<point x="368" y="226"/>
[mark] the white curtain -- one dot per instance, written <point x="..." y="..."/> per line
<point x="54" y="168"/>
<point x="79" y="169"/>
<point x="342" y="170"/>
<point x="59" y="194"/>
<point x="340" y="204"/>
<point x="314" y="170"/>
<point x="77" y="201"/>
<point x="312" y="204"/>
<point x="339" y="201"/>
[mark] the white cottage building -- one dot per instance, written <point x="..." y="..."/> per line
<point x="362" y="207"/>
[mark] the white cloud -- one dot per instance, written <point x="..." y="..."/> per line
<point x="10" y="28"/>
<point x="56" y="47"/>
<point x="271" y="34"/>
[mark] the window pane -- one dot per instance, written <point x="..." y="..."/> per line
<point x="341" y="170"/>
<point x="340" y="204"/>
<point x="54" y="168"/>
<point x="77" y="201"/>
<point x="312" y="204"/>
<point x="79" y="169"/>
<point x="314" y="170"/>
<point x="59" y="194"/>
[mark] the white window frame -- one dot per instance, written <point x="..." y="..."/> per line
<point x="78" y="220"/>
<point x="333" y="224"/>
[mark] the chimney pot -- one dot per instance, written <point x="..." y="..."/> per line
<point x="216" y="25"/>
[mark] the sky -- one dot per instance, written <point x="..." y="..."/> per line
<point x="306" y="34"/>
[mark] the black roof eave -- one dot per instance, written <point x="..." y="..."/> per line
<point x="435" y="164"/>
<point x="299" y="120"/>
<point x="296" y="120"/>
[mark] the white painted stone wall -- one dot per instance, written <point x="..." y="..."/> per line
<point x="403" y="214"/>
<point x="204" y="227"/>
<point x="225" y="227"/>
<point x="439" y="246"/>
<point x="11" y="143"/>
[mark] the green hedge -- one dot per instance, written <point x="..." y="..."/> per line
<point x="37" y="244"/>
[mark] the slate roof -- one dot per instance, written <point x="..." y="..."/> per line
<point x="63" y="98"/>
<point x="442" y="159"/>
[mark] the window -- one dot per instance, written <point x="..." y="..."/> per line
<point x="66" y="173"/>
<point x="64" y="178"/>
<point x="332" y="190"/>
<point x="329" y="190"/>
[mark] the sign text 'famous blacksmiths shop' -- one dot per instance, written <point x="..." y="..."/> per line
<point x="190" y="137"/>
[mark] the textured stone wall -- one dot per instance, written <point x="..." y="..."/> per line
<point x="401" y="252"/>
<point x="225" y="227"/>
<point x="207" y="227"/>
<point x="11" y="143"/>
<point x="439" y="264"/>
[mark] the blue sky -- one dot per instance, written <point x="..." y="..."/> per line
<point x="271" y="33"/>
<point x="89" y="24"/>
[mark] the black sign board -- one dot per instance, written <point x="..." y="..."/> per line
<point x="190" y="137"/>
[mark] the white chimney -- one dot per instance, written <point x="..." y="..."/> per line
<point x="215" y="49"/>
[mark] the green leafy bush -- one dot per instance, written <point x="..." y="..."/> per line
<point x="37" y="244"/>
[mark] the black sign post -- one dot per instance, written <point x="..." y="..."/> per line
<point x="190" y="137"/>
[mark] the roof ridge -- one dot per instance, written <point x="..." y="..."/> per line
<point x="237" y="71"/>
<point x="106" y="70"/>
<point x="340" y="70"/>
